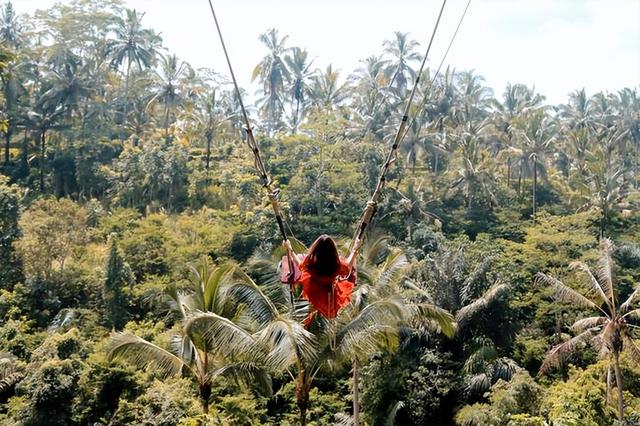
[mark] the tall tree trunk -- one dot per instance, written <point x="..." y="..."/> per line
<point x="205" y="393"/>
<point x="509" y="173"/>
<point x="356" y="394"/>
<point x="7" y="146"/>
<point x="295" y="125"/>
<point x="125" y="119"/>
<point x="166" y="121"/>
<point x="520" y="178"/>
<point x="608" y="398"/>
<point x="302" y="395"/>
<point x="208" y="155"/>
<point x="42" y="148"/>
<point x="535" y="187"/>
<point x="616" y="368"/>
<point x="24" y="155"/>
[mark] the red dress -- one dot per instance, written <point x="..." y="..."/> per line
<point x="317" y="289"/>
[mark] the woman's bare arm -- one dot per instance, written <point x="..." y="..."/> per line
<point x="292" y="254"/>
<point x="351" y="259"/>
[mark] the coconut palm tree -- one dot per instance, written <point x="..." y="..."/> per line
<point x="211" y="343"/>
<point x="299" y="68"/>
<point x="369" y="324"/>
<point x="517" y="99"/>
<point x="370" y="83"/>
<point x="273" y="74"/>
<point x="205" y="117"/>
<point x="44" y="116"/>
<point x="535" y="136"/>
<point x="133" y="44"/>
<point x="372" y="322"/>
<point x="608" y="331"/>
<point x="402" y="51"/>
<point x="326" y="92"/>
<point x="169" y="90"/>
<point x="446" y="279"/>
<point x="11" y="29"/>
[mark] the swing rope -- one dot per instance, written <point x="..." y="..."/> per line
<point x="371" y="206"/>
<point x="435" y="76"/>
<point x="272" y="192"/>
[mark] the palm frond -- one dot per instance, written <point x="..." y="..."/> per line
<point x="393" y="413"/>
<point x="503" y="368"/>
<point x="260" y="306"/>
<point x="222" y="335"/>
<point x="633" y="313"/>
<point x="288" y="343"/>
<point x="142" y="354"/>
<point x="468" y="312"/>
<point x="363" y="343"/>
<point x="631" y="346"/>
<point x="476" y="361"/>
<point x="624" y="308"/>
<point x="430" y="313"/>
<point x="594" y="283"/>
<point x="561" y="352"/>
<point x="472" y="282"/>
<point x="388" y="311"/>
<point x="477" y="384"/>
<point x="605" y="269"/>
<point x="588" y="323"/>
<point x="249" y="373"/>
<point x="565" y="293"/>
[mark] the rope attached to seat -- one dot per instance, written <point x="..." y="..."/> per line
<point x="272" y="192"/>
<point x="372" y="204"/>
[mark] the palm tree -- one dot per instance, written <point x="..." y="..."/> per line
<point x="11" y="373"/>
<point x="536" y="135"/>
<point x="206" y="119"/>
<point x="168" y="86"/>
<point x="43" y="117"/>
<point x="475" y="175"/>
<point x="402" y="52"/>
<point x="133" y="44"/>
<point x="609" y="331"/>
<point x="578" y="113"/>
<point x="369" y="82"/>
<point x="629" y="108"/>
<point x="447" y="280"/>
<point x="11" y="30"/>
<point x="517" y="99"/>
<point x="299" y="68"/>
<point x="210" y="343"/>
<point x="273" y="75"/>
<point x="326" y="91"/>
<point x="369" y="324"/>
<point x="372" y="322"/>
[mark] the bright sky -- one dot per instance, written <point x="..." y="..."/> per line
<point x="558" y="46"/>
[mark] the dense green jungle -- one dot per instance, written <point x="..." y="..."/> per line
<point x="499" y="283"/>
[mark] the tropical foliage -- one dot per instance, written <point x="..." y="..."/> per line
<point x="139" y="281"/>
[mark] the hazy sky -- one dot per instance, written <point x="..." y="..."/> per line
<point x="556" y="45"/>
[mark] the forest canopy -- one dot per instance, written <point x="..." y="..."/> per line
<point x="498" y="283"/>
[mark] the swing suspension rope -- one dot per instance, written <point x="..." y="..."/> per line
<point x="272" y="192"/>
<point x="435" y="76"/>
<point x="372" y="204"/>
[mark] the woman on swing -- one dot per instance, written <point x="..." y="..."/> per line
<point x="327" y="279"/>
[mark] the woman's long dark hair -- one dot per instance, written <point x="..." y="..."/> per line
<point x="323" y="257"/>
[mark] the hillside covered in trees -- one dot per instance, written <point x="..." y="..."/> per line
<point x="499" y="283"/>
